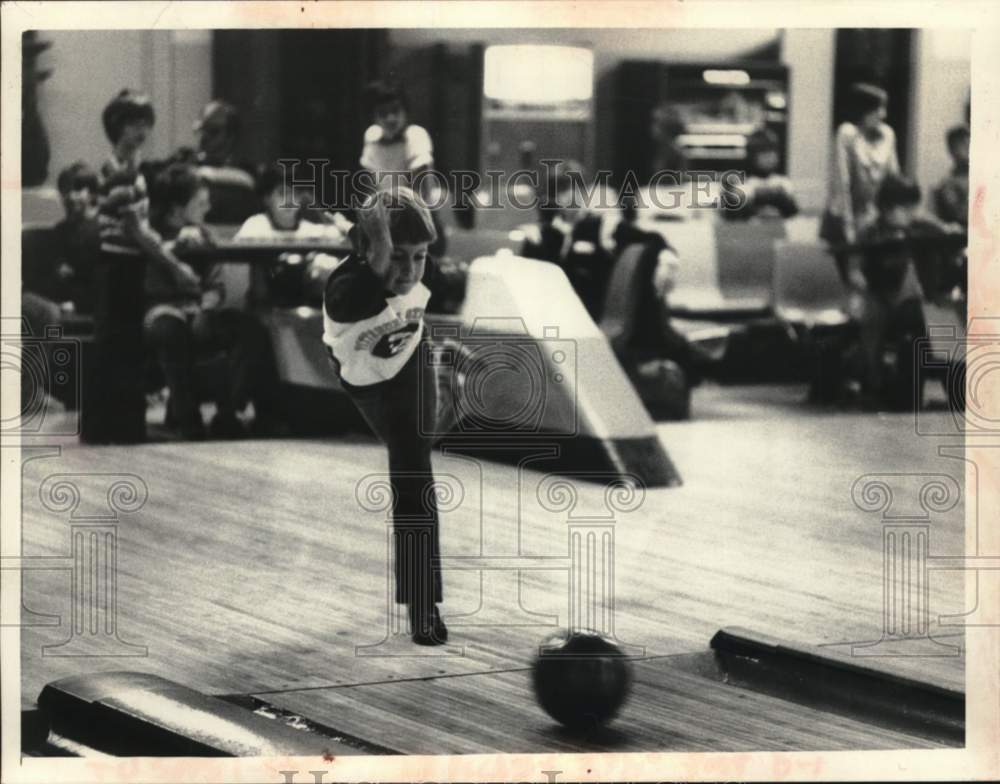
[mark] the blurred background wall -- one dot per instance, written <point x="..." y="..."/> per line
<point x="88" y="68"/>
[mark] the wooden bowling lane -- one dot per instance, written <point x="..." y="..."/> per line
<point x="252" y="569"/>
<point x="669" y="710"/>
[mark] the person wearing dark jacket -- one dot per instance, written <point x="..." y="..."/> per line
<point x="569" y="234"/>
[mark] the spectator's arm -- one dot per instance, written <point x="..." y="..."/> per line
<point x="840" y="182"/>
<point x="419" y="149"/>
<point x="665" y="275"/>
<point x="160" y="253"/>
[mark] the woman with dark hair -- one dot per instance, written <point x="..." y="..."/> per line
<point x="864" y="155"/>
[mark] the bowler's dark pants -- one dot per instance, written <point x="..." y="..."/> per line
<point x="397" y="411"/>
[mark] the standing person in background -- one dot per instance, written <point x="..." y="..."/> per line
<point x="951" y="196"/>
<point x="394" y="145"/>
<point x="117" y="411"/>
<point x="230" y="182"/>
<point x="864" y="155"/>
<point x="899" y="261"/>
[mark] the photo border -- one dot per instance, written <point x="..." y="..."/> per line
<point x="978" y="760"/>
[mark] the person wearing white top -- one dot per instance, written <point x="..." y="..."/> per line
<point x="864" y="155"/>
<point x="396" y="152"/>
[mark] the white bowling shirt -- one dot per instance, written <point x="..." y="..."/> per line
<point x="371" y="332"/>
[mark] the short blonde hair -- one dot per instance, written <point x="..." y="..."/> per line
<point x="392" y="215"/>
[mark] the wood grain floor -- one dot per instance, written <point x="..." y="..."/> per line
<point x="668" y="710"/>
<point x="252" y="569"/>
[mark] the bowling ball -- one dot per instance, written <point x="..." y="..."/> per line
<point x="581" y="679"/>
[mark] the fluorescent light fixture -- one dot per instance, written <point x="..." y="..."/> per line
<point x="713" y="139"/>
<point x="732" y="78"/>
<point x="538" y="74"/>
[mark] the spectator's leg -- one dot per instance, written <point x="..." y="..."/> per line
<point x="907" y="325"/>
<point x="170" y="339"/>
<point x="873" y="321"/>
<point x="251" y="370"/>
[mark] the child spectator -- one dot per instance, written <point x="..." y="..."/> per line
<point x="864" y="155"/>
<point x="764" y="192"/>
<point x="393" y="145"/>
<point x="654" y="336"/>
<point x="283" y="220"/>
<point x="884" y="272"/>
<point x="951" y="197"/>
<point x="57" y="263"/>
<point x="117" y="412"/>
<point x="283" y="211"/>
<point x="61" y="268"/>
<point x="183" y="327"/>
<point x="570" y="235"/>
<point x="396" y="150"/>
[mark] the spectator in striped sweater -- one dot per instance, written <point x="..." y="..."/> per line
<point x="117" y="412"/>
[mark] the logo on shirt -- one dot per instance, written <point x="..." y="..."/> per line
<point x="370" y="337"/>
<point x="393" y="343"/>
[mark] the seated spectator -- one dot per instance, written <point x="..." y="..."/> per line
<point x="61" y="270"/>
<point x="284" y="219"/>
<point x="283" y="211"/>
<point x="763" y="192"/>
<point x="951" y="196"/>
<point x="57" y="263"/>
<point x="182" y="326"/>
<point x="884" y="271"/>
<point x="655" y="337"/>
<point x="570" y="235"/>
